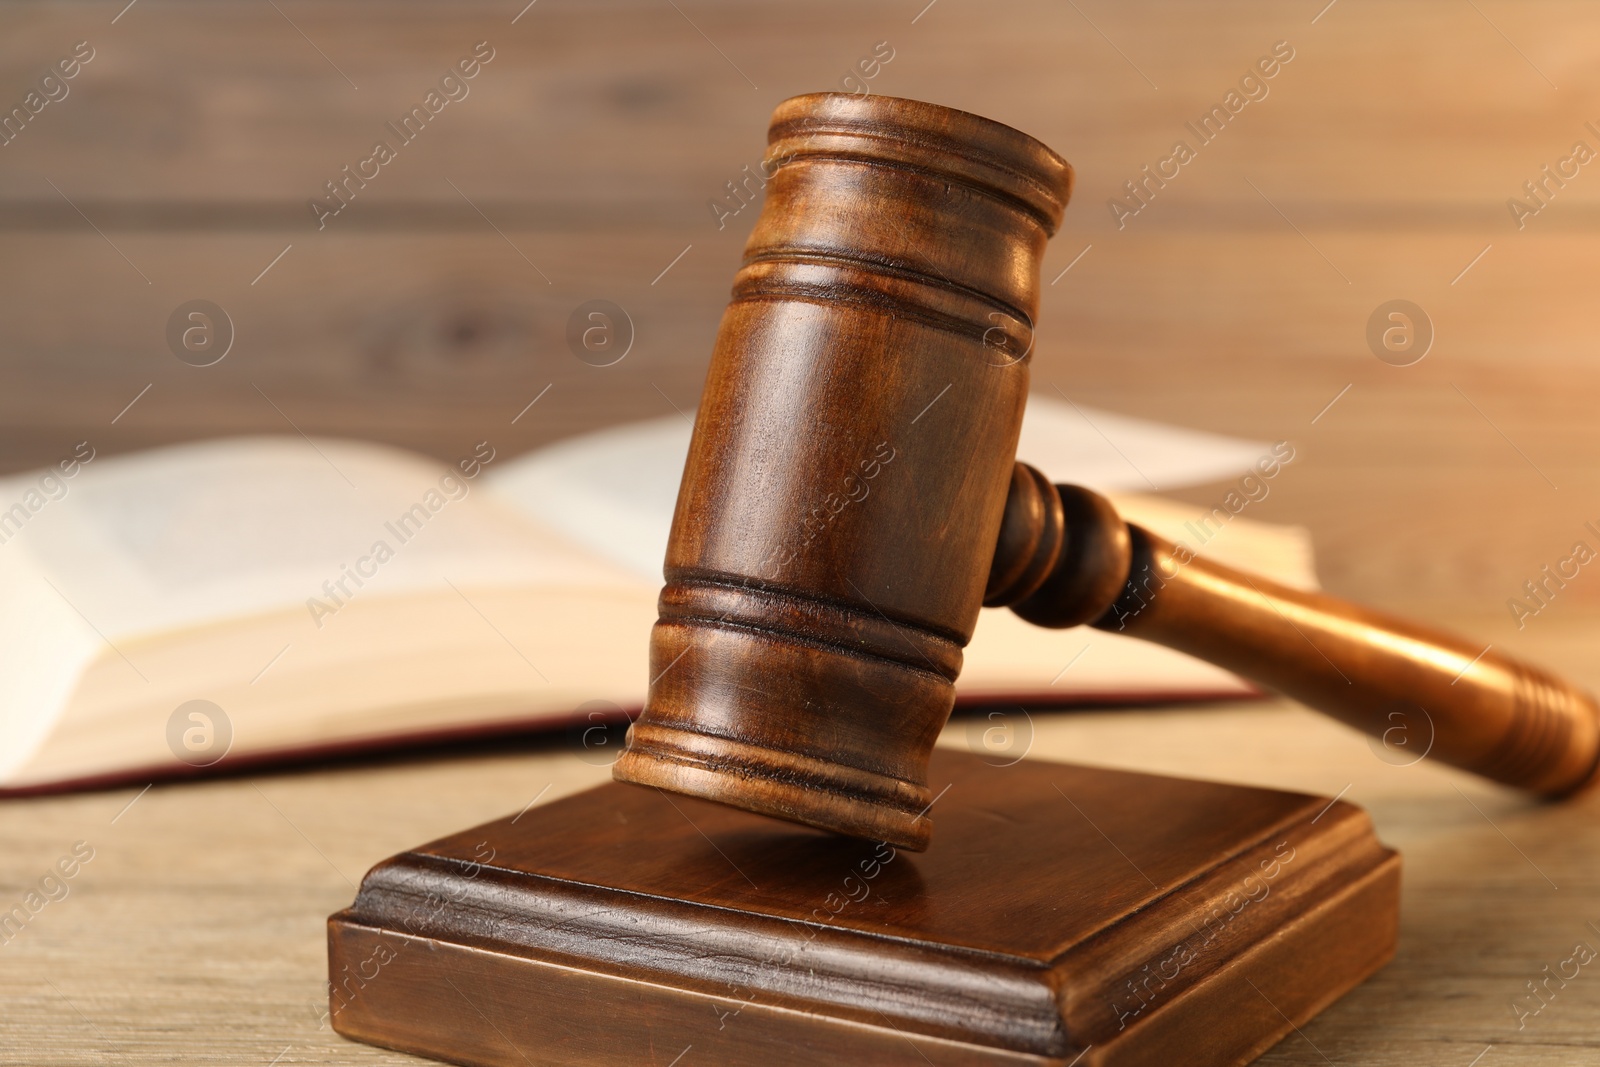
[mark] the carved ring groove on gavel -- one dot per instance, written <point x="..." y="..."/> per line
<point x="851" y="500"/>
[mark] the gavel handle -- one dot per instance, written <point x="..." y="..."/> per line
<point x="1467" y="705"/>
<point x="1456" y="700"/>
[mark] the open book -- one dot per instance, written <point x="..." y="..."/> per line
<point x="252" y="598"/>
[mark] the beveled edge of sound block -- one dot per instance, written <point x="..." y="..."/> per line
<point x="523" y="932"/>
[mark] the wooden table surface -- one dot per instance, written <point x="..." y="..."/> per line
<point x="195" y="935"/>
<point x="582" y="165"/>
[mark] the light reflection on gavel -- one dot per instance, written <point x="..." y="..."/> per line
<point x="803" y="667"/>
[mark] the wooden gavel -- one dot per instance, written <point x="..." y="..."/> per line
<point x="851" y="500"/>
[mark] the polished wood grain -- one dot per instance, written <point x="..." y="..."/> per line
<point x="1023" y="936"/>
<point x="1064" y="558"/>
<point x="817" y="597"/>
<point x="1390" y="144"/>
<point x="849" y="465"/>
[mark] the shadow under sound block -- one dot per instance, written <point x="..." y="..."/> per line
<point x="1063" y="915"/>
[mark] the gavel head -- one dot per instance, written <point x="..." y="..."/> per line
<point x="850" y="466"/>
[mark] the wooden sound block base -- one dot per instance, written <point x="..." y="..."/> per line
<point x="1063" y="915"/>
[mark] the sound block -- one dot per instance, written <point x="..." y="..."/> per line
<point x="1063" y="915"/>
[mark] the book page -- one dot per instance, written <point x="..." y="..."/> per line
<point x="184" y="535"/>
<point x="45" y="646"/>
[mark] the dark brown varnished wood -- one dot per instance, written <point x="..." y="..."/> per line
<point x="844" y="488"/>
<point x="831" y="549"/>
<point x="1443" y="696"/>
<point x="851" y="475"/>
<point x="1064" y="915"/>
<point x="850" y="500"/>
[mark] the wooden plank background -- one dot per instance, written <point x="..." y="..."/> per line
<point x="599" y="132"/>
<point x="432" y="309"/>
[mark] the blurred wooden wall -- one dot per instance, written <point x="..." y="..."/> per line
<point x="433" y="309"/>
